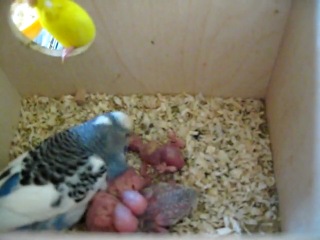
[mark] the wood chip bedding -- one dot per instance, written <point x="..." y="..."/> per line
<point x="227" y="150"/>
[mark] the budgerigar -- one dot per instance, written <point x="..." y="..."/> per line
<point x="49" y="187"/>
<point x="67" y="22"/>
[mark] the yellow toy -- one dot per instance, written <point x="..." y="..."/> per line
<point x="67" y="22"/>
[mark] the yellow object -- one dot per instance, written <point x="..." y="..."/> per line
<point x="66" y="21"/>
<point x="33" y="30"/>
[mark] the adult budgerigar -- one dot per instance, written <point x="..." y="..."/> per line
<point x="67" y="22"/>
<point x="49" y="187"/>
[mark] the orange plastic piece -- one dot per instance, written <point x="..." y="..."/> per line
<point x="33" y="30"/>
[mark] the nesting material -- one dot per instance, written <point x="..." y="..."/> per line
<point x="228" y="156"/>
<point x="80" y="97"/>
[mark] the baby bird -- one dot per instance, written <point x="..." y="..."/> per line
<point x="168" y="203"/>
<point x="67" y="22"/>
<point x="50" y="186"/>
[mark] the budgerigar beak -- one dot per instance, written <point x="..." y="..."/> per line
<point x="66" y="53"/>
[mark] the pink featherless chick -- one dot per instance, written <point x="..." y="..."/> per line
<point x="117" y="210"/>
<point x="162" y="157"/>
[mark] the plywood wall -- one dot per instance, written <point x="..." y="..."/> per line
<point x="218" y="47"/>
<point x="9" y="114"/>
<point x="293" y="104"/>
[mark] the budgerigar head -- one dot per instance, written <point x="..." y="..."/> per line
<point x="105" y="134"/>
<point x="118" y="126"/>
<point x="115" y="127"/>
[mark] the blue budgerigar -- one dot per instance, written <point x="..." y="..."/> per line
<point x="50" y="186"/>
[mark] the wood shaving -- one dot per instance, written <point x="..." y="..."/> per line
<point x="80" y="96"/>
<point x="228" y="155"/>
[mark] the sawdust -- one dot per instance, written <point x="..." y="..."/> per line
<point x="228" y="151"/>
